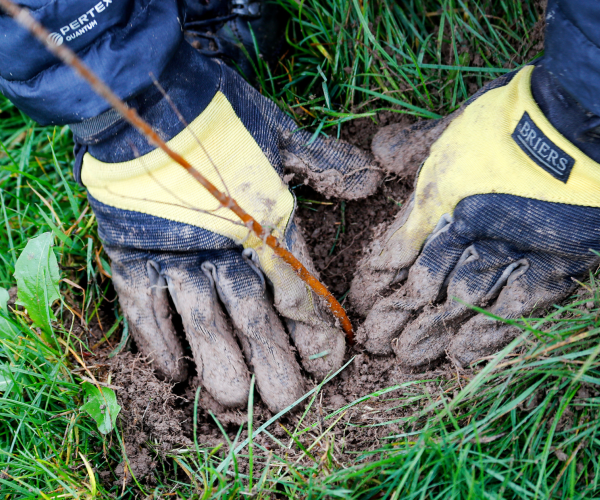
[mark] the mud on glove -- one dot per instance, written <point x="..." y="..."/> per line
<point x="504" y="213"/>
<point x="167" y="236"/>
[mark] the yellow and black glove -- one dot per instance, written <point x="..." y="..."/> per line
<point x="166" y="236"/>
<point x="505" y="212"/>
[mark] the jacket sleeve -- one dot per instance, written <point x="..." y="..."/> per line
<point x="122" y="41"/>
<point x="572" y="49"/>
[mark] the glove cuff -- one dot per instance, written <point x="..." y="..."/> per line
<point x="572" y="49"/>
<point x="190" y="80"/>
<point x="93" y="130"/>
<point x="565" y="113"/>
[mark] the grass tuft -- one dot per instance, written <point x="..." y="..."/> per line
<point x="351" y="58"/>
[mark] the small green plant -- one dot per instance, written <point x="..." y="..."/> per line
<point x="37" y="282"/>
<point x="102" y="406"/>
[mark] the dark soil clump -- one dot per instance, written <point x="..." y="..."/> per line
<point x="150" y="414"/>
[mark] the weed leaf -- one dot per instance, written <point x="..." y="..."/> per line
<point x="102" y="406"/>
<point x="37" y="281"/>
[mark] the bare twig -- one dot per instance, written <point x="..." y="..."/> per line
<point x="67" y="56"/>
<point x="187" y="127"/>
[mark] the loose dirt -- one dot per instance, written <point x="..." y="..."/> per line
<point x="150" y="413"/>
<point x="157" y="421"/>
<point x="336" y="232"/>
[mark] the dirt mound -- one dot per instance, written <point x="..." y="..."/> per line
<point x="150" y="414"/>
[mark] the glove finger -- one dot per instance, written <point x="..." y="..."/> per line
<point x="242" y="290"/>
<point x="219" y="360"/>
<point x="546" y="282"/>
<point x="480" y="272"/>
<point x="444" y="251"/>
<point x="319" y="341"/>
<point x="374" y="274"/>
<point x="390" y="256"/>
<point x="332" y="167"/>
<point x="400" y="149"/>
<point x="143" y="297"/>
<point x="387" y="317"/>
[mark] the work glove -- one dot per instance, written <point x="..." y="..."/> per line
<point x="170" y="240"/>
<point x="504" y="215"/>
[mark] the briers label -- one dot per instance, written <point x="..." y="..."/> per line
<point x="542" y="150"/>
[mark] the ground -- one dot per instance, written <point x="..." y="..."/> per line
<point x="522" y="424"/>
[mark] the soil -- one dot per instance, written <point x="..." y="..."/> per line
<point x="336" y="232"/>
<point x="157" y="418"/>
<point x="150" y="413"/>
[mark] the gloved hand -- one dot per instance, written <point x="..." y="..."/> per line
<point x="504" y="214"/>
<point x="167" y="237"/>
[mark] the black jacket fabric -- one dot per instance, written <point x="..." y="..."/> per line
<point x="572" y="49"/>
<point x="127" y="41"/>
<point x="123" y="41"/>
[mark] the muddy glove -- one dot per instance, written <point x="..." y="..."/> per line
<point x="504" y="214"/>
<point x="168" y="238"/>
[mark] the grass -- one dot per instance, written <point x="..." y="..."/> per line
<point x="46" y="443"/>
<point x="47" y="446"/>
<point x="350" y="58"/>
<point x="523" y="425"/>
